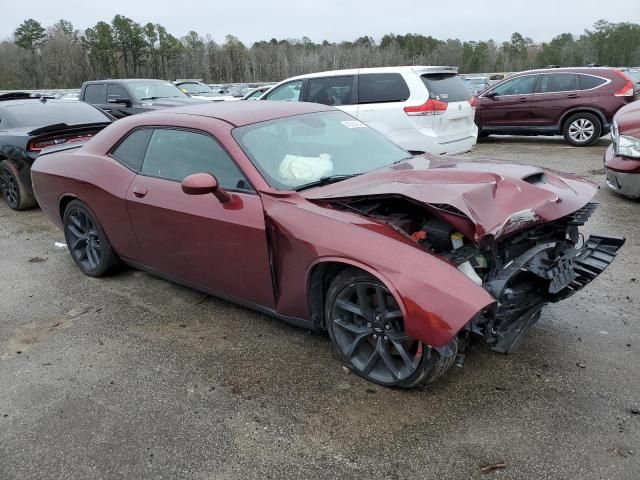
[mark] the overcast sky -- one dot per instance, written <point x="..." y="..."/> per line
<point x="334" y="20"/>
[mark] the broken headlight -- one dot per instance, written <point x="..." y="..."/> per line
<point x="628" y="146"/>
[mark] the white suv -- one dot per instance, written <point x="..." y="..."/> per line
<point x="421" y="109"/>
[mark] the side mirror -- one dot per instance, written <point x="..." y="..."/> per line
<point x="491" y="95"/>
<point x="202" y="184"/>
<point x="119" y="100"/>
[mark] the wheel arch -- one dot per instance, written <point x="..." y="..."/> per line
<point x="323" y="272"/>
<point x="65" y="199"/>
<point x="593" y="111"/>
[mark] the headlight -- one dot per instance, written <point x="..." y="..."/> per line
<point x="628" y="146"/>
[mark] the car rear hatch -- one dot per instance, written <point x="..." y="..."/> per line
<point x="453" y="111"/>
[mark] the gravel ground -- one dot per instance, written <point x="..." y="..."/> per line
<point x="134" y="377"/>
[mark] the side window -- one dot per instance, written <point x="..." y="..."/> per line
<point x="517" y="86"/>
<point x="330" y="90"/>
<point x="382" y="88"/>
<point x="131" y="150"/>
<point x="116" y="91"/>
<point x="96" y="93"/>
<point x="176" y="154"/>
<point x="558" y="82"/>
<point x="587" y="82"/>
<point x="289" y="91"/>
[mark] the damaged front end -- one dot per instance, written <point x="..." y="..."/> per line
<point x="526" y="267"/>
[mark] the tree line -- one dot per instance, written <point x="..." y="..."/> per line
<point x="61" y="56"/>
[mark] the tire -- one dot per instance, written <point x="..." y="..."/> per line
<point x="88" y="244"/>
<point x="13" y="189"/>
<point x="582" y="129"/>
<point x="366" y="327"/>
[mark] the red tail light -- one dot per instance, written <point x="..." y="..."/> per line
<point x="473" y="101"/>
<point x="628" y="90"/>
<point x="430" y="107"/>
<point x="39" y="145"/>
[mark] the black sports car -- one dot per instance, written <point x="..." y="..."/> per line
<point x="27" y="125"/>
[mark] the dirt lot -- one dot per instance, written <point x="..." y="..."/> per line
<point x="134" y="377"/>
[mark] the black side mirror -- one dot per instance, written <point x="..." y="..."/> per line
<point x="491" y="95"/>
<point x="119" y="100"/>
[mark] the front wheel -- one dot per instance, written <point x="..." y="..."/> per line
<point x="88" y="244"/>
<point x="366" y="326"/>
<point x="582" y="129"/>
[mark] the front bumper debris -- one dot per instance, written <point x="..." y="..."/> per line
<point x="559" y="278"/>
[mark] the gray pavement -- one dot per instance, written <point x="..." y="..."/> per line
<point x="134" y="377"/>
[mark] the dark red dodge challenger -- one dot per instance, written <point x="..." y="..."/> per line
<point x="302" y="212"/>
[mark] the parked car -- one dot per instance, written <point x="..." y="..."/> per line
<point x="202" y="91"/>
<point x="27" y="125"/>
<point x="578" y="103"/>
<point x="476" y="85"/>
<point x="622" y="158"/>
<point x="304" y="213"/>
<point x="122" y="98"/>
<point x="421" y="109"/>
<point x="257" y="92"/>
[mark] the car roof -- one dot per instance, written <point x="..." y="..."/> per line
<point x="586" y="70"/>
<point x="242" y="113"/>
<point x="419" y="69"/>
<point x="127" y="80"/>
<point x="36" y="101"/>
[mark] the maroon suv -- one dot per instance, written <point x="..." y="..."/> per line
<point x="578" y="103"/>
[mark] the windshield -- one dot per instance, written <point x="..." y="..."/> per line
<point x="149" y="90"/>
<point x="195" y="88"/>
<point x="295" y="151"/>
<point x="35" y="114"/>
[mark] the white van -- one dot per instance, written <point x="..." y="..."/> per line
<point x="421" y="109"/>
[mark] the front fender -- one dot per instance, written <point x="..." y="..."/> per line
<point x="436" y="299"/>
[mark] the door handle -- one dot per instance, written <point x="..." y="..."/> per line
<point x="140" y="191"/>
<point x="573" y="95"/>
<point x="523" y="99"/>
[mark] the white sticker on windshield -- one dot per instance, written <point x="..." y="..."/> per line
<point x="353" y="124"/>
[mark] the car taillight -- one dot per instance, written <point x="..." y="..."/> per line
<point x="628" y="90"/>
<point x="37" y="146"/>
<point x="430" y="107"/>
<point x="473" y="101"/>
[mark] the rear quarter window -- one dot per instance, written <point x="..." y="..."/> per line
<point x="132" y="149"/>
<point x="446" y="87"/>
<point x="587" y="82"/>
<point x="382" y="88"/>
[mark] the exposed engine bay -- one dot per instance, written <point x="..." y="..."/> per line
<point x="523" y="270"/>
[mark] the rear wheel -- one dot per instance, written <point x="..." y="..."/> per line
<point x="582" y="129"/>
<point x="366" y="325"/>
<point x="88" y="245"/>
<point x="13" y="189"/>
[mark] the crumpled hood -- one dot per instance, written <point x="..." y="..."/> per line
<point x="498" y="197"/>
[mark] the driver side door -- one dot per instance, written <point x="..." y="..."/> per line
<point x="507" y="104"/>
<point x="195" y="239"/>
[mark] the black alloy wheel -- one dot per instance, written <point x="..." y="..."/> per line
<point x="9" y="188"/>
<point x="367" y="327"/>
<point x="87" y="243"/>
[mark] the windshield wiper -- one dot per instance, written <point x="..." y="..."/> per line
<point x="325" y="181"/>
